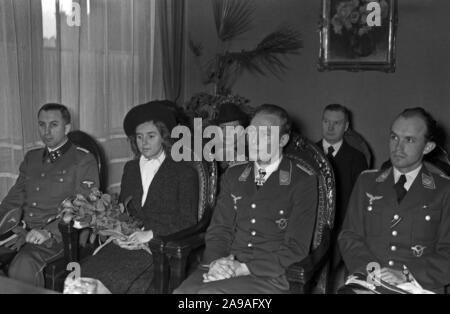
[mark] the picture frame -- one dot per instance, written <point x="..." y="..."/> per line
<point x="358" y="35"/>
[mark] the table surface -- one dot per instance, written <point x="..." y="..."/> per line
<point x="10" y="286"/>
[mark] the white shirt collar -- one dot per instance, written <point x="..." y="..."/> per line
<point x="56" y="148"/>
<point x="149" y="168"/>
<point x="269" y="169"/>
<point x="158" y="160"/>
<point x="336" y="146"/>
<point x="410" y="176"/>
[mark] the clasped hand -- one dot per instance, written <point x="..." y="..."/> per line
<point x="392" y="276"/>
<point x="37" y="236"/>
<point x="134" y="241"/>
<point x="225" y="268"/>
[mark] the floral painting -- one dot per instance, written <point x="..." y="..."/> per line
<point x="358" y="35"/>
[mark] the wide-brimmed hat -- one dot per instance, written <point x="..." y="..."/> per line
<point x="229" y="112"/>
<point x="156" y="111"/>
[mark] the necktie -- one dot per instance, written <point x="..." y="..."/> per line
<point x="400" y="188"/>
<point x="330" y="152"/>
<point x="260" y="178"/>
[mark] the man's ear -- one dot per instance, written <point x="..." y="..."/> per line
<point x="67" y="128"/>
<point x="284" y="140"/>
<point x="429" y="147"/>
<point x="346" y="126"/>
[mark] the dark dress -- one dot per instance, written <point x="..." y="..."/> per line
<point x="171" y="205"/>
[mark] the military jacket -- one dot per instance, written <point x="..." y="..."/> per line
<point x="413" y="235"/>
<point x="44" y="183"/>
<point x="267" y="228"/>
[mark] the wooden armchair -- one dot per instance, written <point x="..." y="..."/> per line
<point x="311" y="274"/>
<point x="165" y="269"/>
<point x="302" y="275"/>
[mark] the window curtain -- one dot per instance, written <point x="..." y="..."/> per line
<point x="171" y="15"/>
<point x="99" y="70"/>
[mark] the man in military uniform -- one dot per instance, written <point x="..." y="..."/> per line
<point x="47" y="177"/>
<point x="399" y="219"/>
<point x="264" y="218"/>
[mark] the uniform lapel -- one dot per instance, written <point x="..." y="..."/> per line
<point x="423" y="184"/>
<point x="386" y="188"/>
<point x="247" y="180"/>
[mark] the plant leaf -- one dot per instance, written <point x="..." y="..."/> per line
<point x="268" y="54"/>
<point x="232" y="18"/>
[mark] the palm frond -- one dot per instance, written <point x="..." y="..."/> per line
<point x="268" y="54"/>
<point x="232" y="18"/>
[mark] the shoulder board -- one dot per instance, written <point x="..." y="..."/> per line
<point x="445" y="177"/>
<point x="237" y="163"/>
<point x="308" y="171"/>
<point x="83" y="150"/>
<point x="370" y="171"/>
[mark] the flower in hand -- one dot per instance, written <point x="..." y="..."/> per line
<point x="225" y="268"/>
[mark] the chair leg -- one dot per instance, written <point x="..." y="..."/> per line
<point x="322" y="286"/>
<point x="160" y="282"/>
<point x="178" y="266"/>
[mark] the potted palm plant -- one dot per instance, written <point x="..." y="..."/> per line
<point x="234" y="18"/>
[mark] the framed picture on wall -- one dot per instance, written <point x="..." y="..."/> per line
<point x="358" y="35"/>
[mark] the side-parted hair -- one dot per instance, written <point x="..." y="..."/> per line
<point x="338" y="108"/>
<point x="57" y="107"/>
<point x="421" y="113"/>
<point x="281" y="113"/>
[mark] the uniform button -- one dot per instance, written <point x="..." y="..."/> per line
<point x="391" y="263"/>
<point x="31" y="214"/>
<point x="369" y="208"/>
<point x="42" y="174"/>
<point x="235" y="207"/>
<point x="37" y="189"/>
<point x="393" y="248"/>
<point x="34" y="204"/>
<point x="394" y="233"/>
<point x="250" y="245"/>
<point x="61" y="180"/>
<point x="281" y="212"/>
<point x="64" y="172"/>
<point x="253" y="205"/>
<point x="427" y="217"/>
<point x="396" y="217"/>
<point x="253" y="233"/>
<point x="253" y="220"/>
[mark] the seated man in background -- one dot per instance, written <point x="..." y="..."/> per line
<point x="398" y="219"/>
<point x="230" y="115"/>
<point x="47" y="176"/>
<point x="264" y="217"/>
<point x="347" y="163"/>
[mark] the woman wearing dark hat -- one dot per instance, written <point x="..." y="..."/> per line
<point x="164" y="195"/>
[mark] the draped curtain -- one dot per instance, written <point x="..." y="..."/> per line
<point x="100" y="69"/>
<point x="171" y="14"/>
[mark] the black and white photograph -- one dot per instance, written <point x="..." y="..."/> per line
<point x="243" y="148"/>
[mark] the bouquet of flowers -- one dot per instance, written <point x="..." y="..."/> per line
<point x="103" y="214"/>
